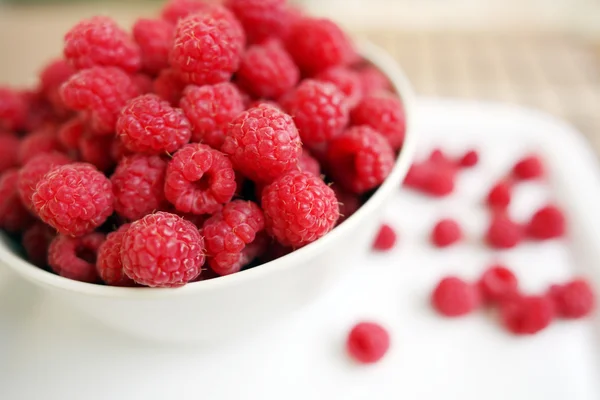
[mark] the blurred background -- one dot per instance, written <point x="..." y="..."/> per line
<point x="543" y="54"/>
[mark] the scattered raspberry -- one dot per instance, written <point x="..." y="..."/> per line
<point x="529" y="167"/>
<point x="441" y="160"/>
<point x="498" y="284"/>
<point x="99" y="41"/>
<point x="74" y="199"/>
<point x="261" y="19"/>
<point x="430" y="179"/>
<point x="150" y="125"/>
<point x="574" y="299"/>
<point x="469" y="159"/>
<point x="383" y="112"/>
<point x="13" y="109"/>
<point x="108" y="264"/>
<point x="162" y="250"/>
<point x="174" y="10"/>
<point x="360" y="159"/>
<point x="75" y="257"/>
<point x="9" y="151"/>
<point x="36" y="143"/>
<point x="454" y="297"/>
<point x="368" y="342"/>
<point x="168" y="86"/>
<point x="96" y="150"/>
<point x="34" y="170"/>
<point x="386" y="238"/>
<point x="14" y="217"/>
<point x="263" y="143"/>
<point x="526" y="315"/>
<point x="373" y="80"/>
<point x="499" y="195"/>
<point x="207" y="47"/>
<point x="199" y="179"/>
<point x="547" y="223"/>
<point x="36" y="241"/>
<point x="70" y="133"/>
<point x="52" y="77"/>
<point x="503" y="233"/>
<point x="155" y="39"/>
<point x="446" y="232"/>
<point x="349" y="203"/>
<point x="299" y="208"/>
<point x="346" y="80"/>
<point x="210" y="109"/>
<point x="308" y="163"/>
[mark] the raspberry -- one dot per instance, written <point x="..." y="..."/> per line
<point x="319" y="109"/>
<point x="36" y="241"/>
<point x="229" y="232"/>
<point x="207" y="47"/>
<point x="100" y="92"/>
<point x="52" y="77"/>
<point x="96" y="150"/>
<point x="574" y="299"/>
<point x="499" y="195"/>
<point x="368" y="342"/>
<point x="168" y="86"/>
<point x="150" y="125"/>
<point x="99" y="41"/>
<point x="108" y="264"/>
<point x="446" y="232"/>
<point x="75" y="257"/>
<point x="547" y="223"/>
<point x="138" y="186"/>
<point x="299" y="208"/>
<point x="526" y="315"/>
<point x="14" y="217"/>
<point x="210" y="109"/>
<point x="162" y="250"/>
<point x="317" y="44"/>
<point x="143" y="82"/>
<point x="386" y="238"/>
<point x="497" y="284"/>
<point x="263" y="143"/>
<point x="346" y="80"/>
<point x="349" y="203"/>
<point x="529" y="167"/>
<point x="70" y="133"/>
<point x="261" y="19"/>
<point x="34" y="171"/>
<point x="36" y="143"/>
<point x="308" y="163"/>
<point x="9" y="151"/>
<point x="454" y="297"/>
<point x="199" y="179"/>
<point x="174" y="10"/>
<point x="440" y="159"/>
<point x="503" y="233"/>
<point x="469" y="159"/>
<point x="13" y="109"/>
<point x="360" y="159"/>
<point x="155" y="39"/>
<point x="75" y="199"/>
<point x="267" y="70"/>
<point x="383" y="112"/>
<point x="118" y="150"/>
<point x="373" y="80"/>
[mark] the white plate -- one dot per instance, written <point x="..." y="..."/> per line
<point x="50" y="354"/>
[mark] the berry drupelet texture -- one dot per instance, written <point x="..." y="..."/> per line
<point x="108" y="264"/>
<point x="75" y="257"/>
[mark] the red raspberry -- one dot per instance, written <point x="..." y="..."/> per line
<point x="36" y="143"/>
<point x="207" y="47"/>
<point x="261" y="19"/>
<point x="13" y="109"/>
<point x="347" y="80"/>
<point x="373" y="80"/>
<point x="150" y="125"/>
<point x="229" y="232"/>
<point x="34" y="170"/>
<point x="437" y="182"/>
<point x="36" y="241"/>
<point x="503" y="233"/>
<point x="349" y="203"/>
<point x="547" y="223"/>
<point x="70" y="133"/>
<point x="386" y="238"/>
<point x="360" y="159"/>
<point x="162" y="250"/>
<point x="168" y="86"/>
<point x="529" y="167"/>
<point x="75" y="257"/>
<point x="499" y="195"/>
<point x="75" y="199"/>
<point x="308" y="163"/>
<point x="440" y="159"/>
<point x="498" y="284"/>
<point x="319" y="109"/>
<point x="52" y="77"/>
<point x="155" y="39"/>
<point x="267" y="70"/>
<point x="14" y="217"/>
<point x="526" y="315"/>
<point x="138" y="186"/>
<point x="99" y="41"/>
<point x="263" y="143"/>
<point x="383" y="112"/>
<point x="118" y="150"/>
<point x="469" y="159"/>
<point x="454" y="297"/>
<point x="96" y="150"/>
<point x="40" y="114"/>
<point x="199" y="179"/>
<point x="108" y="264"/>
<point x="9" y="151"/>
<point x="210" y="109"/>
<point x="446" y="232"/>
<point x="174" y="10"/>
<point x="317" y="44"/>
<point x="101" y="92"/>
<point x="143" y="82"/>
<point x="299" y="208"/>
<point x="368" y="342"/>
<point x="574" y="299"/>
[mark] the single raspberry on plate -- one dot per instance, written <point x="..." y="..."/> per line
<point x="446" y="232"/>
<point x="35" y="169"/>
<point x="440" y="159"/>
<point x="208" y="47"/>
<point x="383" y="112"/>
<point x="162" y="250"/>
<point x="99" y="41"/>
<point x="386" y="238"/>
<point x="13" y="109"/>
<point x="528" y="168"/>
<point x="503" y="232"/>
<point x="574" y="299"/>
<point x="70" y="132"/>
<point x="261" y="19"/>
<point x="36" y="143"/>
<point x="210" y="109"/>
<point x="373" y="80"/>
<point x="319" y="109"/>
<point x="299" y="208"/>
<point x="263" y="143"/>
<point x="75" y="199"/>
<point x="368" y="342"/>
<point x="453" y="297"/>
<point x="199" y="179"/>
<point x="360" y="159"/>
<point x="499" y="195"/>
<point x="498" y="284"/>
<point x="54" y="74"/>
<point x="150" y="125"/>
<point x="526" y="315"/>
<point x="267" y="70"/>
<point x="75" y="257"/>
<point x="469" y="159"/>
<point x="138" y="186"/>
<point x="349" y="203"/>
<point x="36" y="241"/>
<point x="9" y="151"/>
<point x="547" y="223"/>
<point x="174" y="10"/>
<point x="168" y="86"/>
<point x="347" y="80"/>
<point x="430" y="179"/>
<point x="101" y="93"/>
<point x="14" y="216"/>
<point x="108" y="264"/>
<point x="96" y="150"/>
<point x="308" y="163"/>
<point x="155" y="39"/>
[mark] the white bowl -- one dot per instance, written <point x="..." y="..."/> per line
<point x="249" y="300"/>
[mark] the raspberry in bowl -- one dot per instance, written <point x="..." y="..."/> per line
<point x="185" y="239"/>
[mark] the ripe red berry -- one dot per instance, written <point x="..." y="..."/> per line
<point x="108" y="264"/>
<point x="547" y="223"/>
<point x="503" y="233"/>
<point x="497" y="284"/>
<point x="386" y="238"/>
<point x="174" y="10"/>
<point x="368" y="342"/>
<point x="9" y="151"/>
<point x="168" y="86"/>
<point x="261" y="19"/>
<point x="373" y="80"/>
<point x="155" y="39"/>
<point x="14" y="216"/>
<point x="574" y="299"/>
<point x="347" y="80"/>
<point x="526" y="315"/>
<point x="36" y="241"/>
<point x="75" y="257"/>
<point x="13" y="109"/>
<point x="446" y="232"/>
<point x="435" y="181"/>
<point x="308" y="163"/>
<point x="440" y="159"/>
<point x="383" y="112"/>
<point x="529" y="167"/>
<point x="97" y="150"/>
<point x="54" y="74"/>
<point x="469" y="159"/>
<point x="70" y="132"/>
<point x="35" y="169"/>
<point x="453" y="297"/>
<point x="499" y="195"/>
<point x="36" y="143"/>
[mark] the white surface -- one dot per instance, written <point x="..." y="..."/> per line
<point x="48" y="353"/>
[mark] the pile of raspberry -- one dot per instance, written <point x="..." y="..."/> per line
<point x="199" y="143"/>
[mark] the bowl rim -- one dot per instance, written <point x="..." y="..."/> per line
<point x="372" y="53"/>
